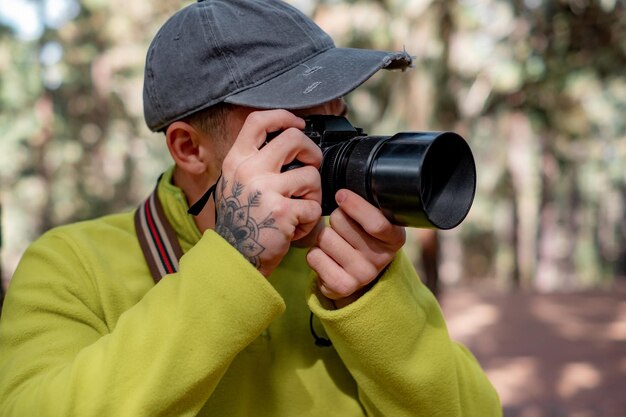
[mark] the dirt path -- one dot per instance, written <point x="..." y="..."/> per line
<point x="548" y="355"/>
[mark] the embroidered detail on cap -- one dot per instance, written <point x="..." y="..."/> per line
<point x="310" y="70"/>
<point x="311" y="87"/>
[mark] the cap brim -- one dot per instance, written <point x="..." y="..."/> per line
<point x="322" y="78"/>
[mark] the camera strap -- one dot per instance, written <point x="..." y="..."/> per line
<point x="197" y="207"/>
<point x="160" y="246"/>
<point x="157" y="237"/>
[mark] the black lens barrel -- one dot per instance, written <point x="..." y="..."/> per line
<point x="418" y="179"/>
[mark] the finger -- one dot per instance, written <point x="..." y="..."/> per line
<point x="355" y="235"/>
<point x="290" y="145"/>
<point x="304" y="182"/>
<point x="370" y="218"/>
<point x="307" y="216"/>
<point x="375" y="252"/>
<point x="336" y="282"/>
<point x="309" y="239"/>
<point x="259" y="123"/>
<point x="361" y="265"/>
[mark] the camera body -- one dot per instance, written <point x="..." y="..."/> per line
<point x="328" y="131"/>
<point x="417" y="179"/>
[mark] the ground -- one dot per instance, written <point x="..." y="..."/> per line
<point x="548" y="355"/>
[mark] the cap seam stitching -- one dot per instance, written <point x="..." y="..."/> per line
<point x="242" y="89"/>
<point x="307" y="29"/>
<point x="213" y="41"/>
<point x="153" y="94"/>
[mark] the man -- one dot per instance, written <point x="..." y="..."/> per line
<point x="227" y="330"/>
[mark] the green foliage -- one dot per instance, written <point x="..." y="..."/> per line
<point x="539" y="92"/>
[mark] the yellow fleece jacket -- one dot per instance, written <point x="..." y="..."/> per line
<point x="85" y="332"/>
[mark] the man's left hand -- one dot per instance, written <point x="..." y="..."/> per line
<point x="354" y="250"/>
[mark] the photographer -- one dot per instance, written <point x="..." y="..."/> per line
<point x="227" y="330"/>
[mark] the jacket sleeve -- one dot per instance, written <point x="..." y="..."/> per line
<point x="395" y="344"/>
<point x="164" y="356"/>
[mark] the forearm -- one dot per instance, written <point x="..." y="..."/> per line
<point x="395" y="343"/>
<point x="164" y="356"/>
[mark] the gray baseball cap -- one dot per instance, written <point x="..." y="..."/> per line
<point x="257" y="53"/>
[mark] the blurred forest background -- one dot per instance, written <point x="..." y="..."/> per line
<point x="537" y="87"/>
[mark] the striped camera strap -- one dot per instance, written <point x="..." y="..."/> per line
<point x="161" y="249"/>
<point x="157" y="238"/>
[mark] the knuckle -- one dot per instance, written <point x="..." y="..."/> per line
<point x="344" y="288"/>
<point x="307" y="178"/>
<point x="309" y="211"/>
<point x="325" y="238"/>
<point x="382" y="259"/>
<point x="378" y="227"/>
<point x="282" y="113"/>
<point x="280" y="208"/>
<point x="339" y="286"/>
<point x="315" y="209"/>
<point x="369" y="272"/>
<point x="316" y="152"/>
<point x="296" y="182"/>
<point x="255" y="118"/>
<point x="294" y="134"/>
<point x="333" y="243"/>
<point x="247" y="170"/>
<point x="327" y="292"/>
<point x="312" y="175"/>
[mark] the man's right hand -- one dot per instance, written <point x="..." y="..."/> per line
<point x="261" y="210"/>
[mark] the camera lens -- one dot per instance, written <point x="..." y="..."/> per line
<point x="418" y="179"/>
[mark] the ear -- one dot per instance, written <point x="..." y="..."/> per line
<point x="188" y="147"/>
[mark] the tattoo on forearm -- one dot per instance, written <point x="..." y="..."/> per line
<point x="235" y="224"/>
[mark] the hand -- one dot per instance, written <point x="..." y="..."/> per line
<point x="354" y="250"/>
<point x="255" y="210"/>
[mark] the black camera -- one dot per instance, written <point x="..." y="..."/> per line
<point x="417" y="179"/>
